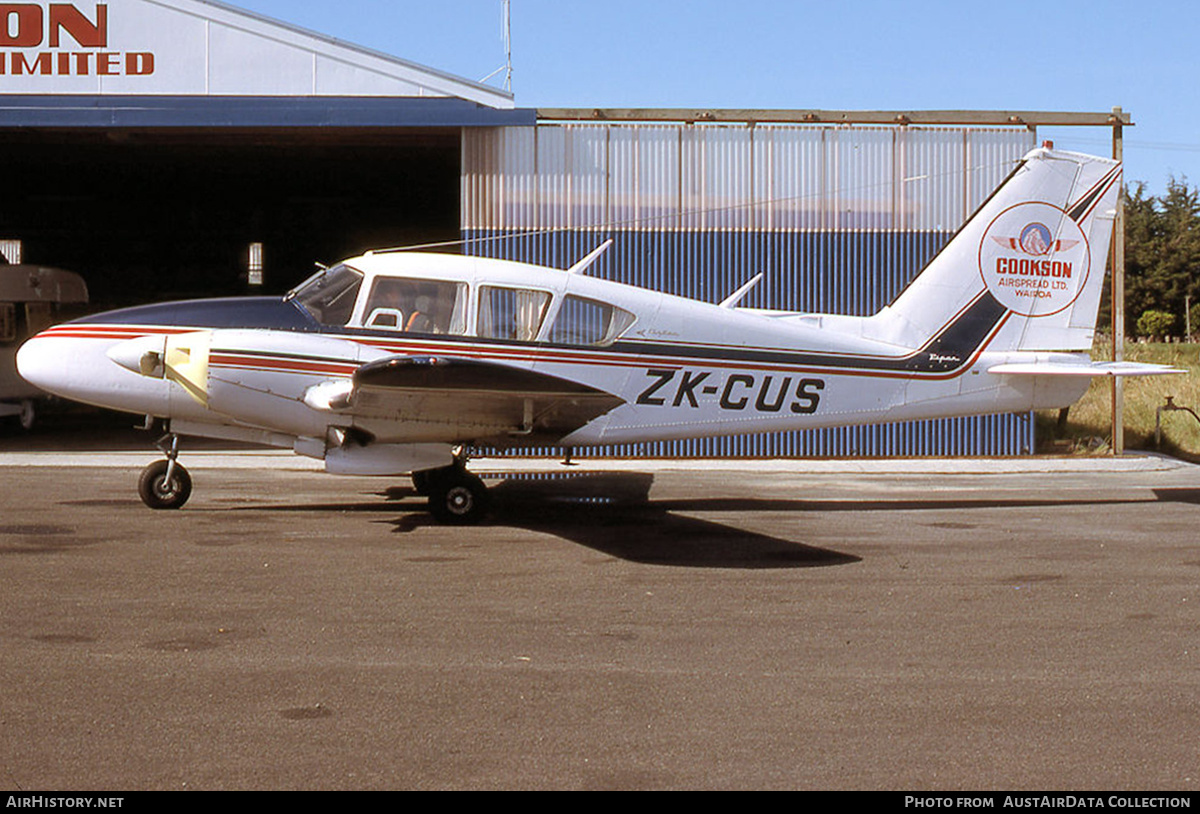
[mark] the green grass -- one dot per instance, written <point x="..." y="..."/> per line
<point x="1089" y="421"/>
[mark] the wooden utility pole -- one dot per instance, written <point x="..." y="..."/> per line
<point x="1118" y="294"/>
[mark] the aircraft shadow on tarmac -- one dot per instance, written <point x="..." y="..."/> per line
<point x="611" y="512"/>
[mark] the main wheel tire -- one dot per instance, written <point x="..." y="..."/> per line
<point x="157" y="493"/>
<point x="458" y="498"/>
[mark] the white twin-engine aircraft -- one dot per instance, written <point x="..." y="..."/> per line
<point x="395" y="362"/>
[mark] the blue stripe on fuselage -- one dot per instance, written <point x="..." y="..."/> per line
<point x="273" y="313"/>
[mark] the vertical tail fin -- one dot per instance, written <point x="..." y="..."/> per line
<point x="1029" y="263"/>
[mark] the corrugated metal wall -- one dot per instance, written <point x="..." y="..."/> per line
<point x="838" y="218"/>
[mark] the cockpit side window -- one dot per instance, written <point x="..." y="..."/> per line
<point x="417" y="306"/>
<point x="329" y="297"/>
<point x="583" y="321"/>
<point x="511" y="313"/>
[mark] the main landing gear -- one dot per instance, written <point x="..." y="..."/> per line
<point x="165" y="484"/>
<point x="456" y="497"/>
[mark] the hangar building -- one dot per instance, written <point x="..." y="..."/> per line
<point x="174" y="148"/>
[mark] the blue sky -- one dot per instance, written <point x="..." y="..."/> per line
<point x="872" y="55"/>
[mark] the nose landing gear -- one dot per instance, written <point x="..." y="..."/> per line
<point x="165" y="484"/>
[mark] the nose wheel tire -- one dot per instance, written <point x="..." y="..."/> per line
<point x="457" y="497"/>
<point x="158" y="492"/>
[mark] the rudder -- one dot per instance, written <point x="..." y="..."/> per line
<point x="1034" y="254"/>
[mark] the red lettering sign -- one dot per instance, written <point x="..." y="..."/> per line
<point x="29" y="25"/>
<point x="108" y="63"/>
<point x="139" y="63"/>
<point x="26" y="19"/>
<point x="83" y="30"/>
<point x="22" y="25"/>
<point x="40" y="64"/>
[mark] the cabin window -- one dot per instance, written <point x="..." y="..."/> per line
<point x="8" y="322"/>
<point x="582" y="321"/>
<point x="511" y="313"/>
<point x="329" y="297"/>
<point x="417" y="306"/>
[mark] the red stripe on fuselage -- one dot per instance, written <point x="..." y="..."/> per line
<point x="279" y="364"/>
<point x="532" y="353"/>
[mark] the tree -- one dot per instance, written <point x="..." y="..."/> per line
<point x="1155" y="324"/>
<point x="1162" y="249"/>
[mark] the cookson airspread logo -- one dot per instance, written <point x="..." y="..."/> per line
<point x="1034" y="259"/>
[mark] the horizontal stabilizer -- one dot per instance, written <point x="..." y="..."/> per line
<point x="1082" y="368"/>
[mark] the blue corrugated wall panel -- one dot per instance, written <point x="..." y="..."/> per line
<point x="812" y="271"/>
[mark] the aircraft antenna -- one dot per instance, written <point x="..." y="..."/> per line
<point x="582" y="265"/>
<point x="736" y="297"/>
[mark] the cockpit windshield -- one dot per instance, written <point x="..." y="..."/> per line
<point x="329" y="296"/>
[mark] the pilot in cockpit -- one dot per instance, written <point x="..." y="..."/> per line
<point x="421" y="320"/>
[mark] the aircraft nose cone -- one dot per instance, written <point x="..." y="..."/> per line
<point x="73" y="362"/>
<point x="42" y="364"/>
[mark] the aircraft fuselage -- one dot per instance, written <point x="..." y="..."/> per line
<point x="681" y="368"/>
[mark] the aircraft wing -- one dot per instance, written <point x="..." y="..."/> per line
<point x="446" y="398"/>
<point x="1082" y="369"/>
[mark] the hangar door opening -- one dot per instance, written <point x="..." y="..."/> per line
<point x="172" y="213"/>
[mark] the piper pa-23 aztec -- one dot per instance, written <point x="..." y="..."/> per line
<point x="394" y="362"/>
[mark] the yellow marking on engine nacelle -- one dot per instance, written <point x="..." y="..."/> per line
<point x="187" y="362"/>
